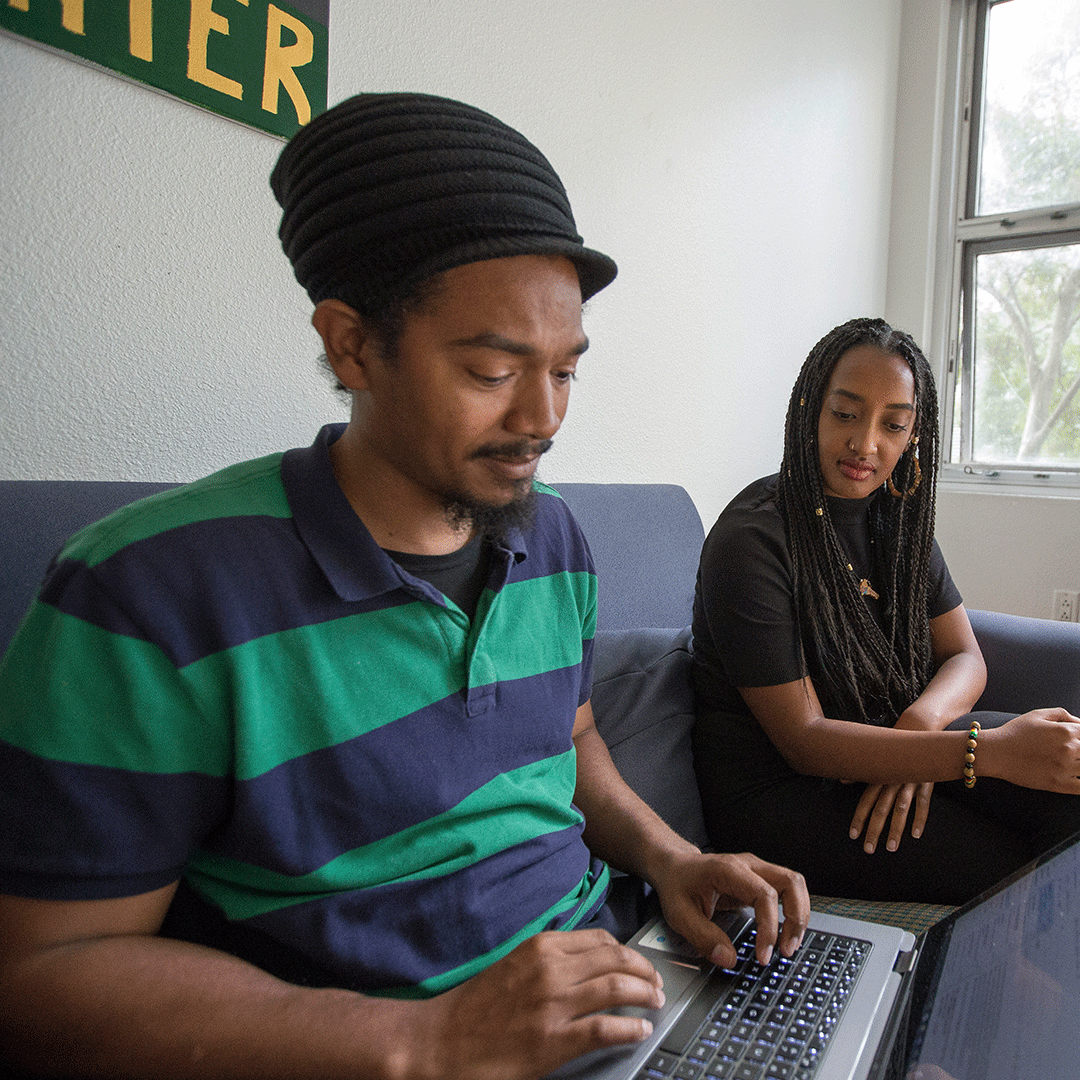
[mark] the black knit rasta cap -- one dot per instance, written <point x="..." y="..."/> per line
<point x="388" y="189"/>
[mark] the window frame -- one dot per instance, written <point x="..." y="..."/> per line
<point x="965" y="236"/>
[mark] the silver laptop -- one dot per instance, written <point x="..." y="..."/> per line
<point x="991" y="992"/>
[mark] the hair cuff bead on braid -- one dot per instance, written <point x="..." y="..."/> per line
<point x="969" y="757"/>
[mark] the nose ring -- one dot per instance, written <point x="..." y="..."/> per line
<point x="851" y="445"/>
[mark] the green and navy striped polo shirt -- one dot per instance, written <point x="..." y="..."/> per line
<point x="231" y="684"/>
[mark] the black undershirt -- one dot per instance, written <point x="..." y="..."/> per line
<point x="460" y="576"/>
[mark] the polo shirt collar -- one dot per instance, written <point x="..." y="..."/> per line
<point x="339" y="542"/>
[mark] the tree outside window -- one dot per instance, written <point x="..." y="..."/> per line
<point x="1016" y="402"/>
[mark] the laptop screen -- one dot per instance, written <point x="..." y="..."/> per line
<point x="1001" y="998"/>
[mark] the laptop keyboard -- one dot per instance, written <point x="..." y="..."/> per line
<point x="763" y="1023"/>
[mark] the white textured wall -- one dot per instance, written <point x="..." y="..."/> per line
<point x="734" y="158"/>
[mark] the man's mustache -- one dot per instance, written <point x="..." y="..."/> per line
<point x="521" y="450"/>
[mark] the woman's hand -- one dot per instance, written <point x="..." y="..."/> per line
<point x="1039" y="749"/>
<point x="880" y="800"/>
<point x="875" y="806"/>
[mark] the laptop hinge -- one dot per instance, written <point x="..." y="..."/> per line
<point x="905" y="961"/>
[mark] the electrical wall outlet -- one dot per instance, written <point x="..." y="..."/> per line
<point x="1066" y="605"/>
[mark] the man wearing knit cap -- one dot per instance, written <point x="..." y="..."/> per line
<point x="302" y="777"/>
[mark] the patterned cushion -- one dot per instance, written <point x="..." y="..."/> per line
<point x="907" y="915"/>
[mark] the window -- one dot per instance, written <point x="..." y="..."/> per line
<point x="1012" y="390"/>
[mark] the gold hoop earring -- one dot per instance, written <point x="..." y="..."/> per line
<point x="913" y="448"/>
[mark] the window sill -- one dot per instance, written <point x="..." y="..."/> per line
<point x="981" y="480"/>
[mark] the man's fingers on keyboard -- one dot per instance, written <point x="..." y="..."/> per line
<point x="766" y="1021"/>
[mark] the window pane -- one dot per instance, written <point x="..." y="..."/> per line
<point x="1026" y="365"/>
<point x="1031" y="118"/>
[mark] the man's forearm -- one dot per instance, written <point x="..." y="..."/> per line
<point x="625" y="831"/>
<point x="619" y="826"/>
<point x="148" y="1006"/>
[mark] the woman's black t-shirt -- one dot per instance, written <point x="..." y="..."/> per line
<point x="745" y="629"/>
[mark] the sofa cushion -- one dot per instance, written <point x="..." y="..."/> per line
<point x="645" y="541"/>
<point x="1030" y="663"/>
<point x="644" y="708"/>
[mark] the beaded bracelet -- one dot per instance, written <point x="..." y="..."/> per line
<point x="969" y="757"/>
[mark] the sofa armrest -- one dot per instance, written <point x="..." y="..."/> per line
<point x="1031" y="663"/>
<point x="644" y="708"/>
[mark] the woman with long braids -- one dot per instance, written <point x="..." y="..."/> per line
<point x="835" y="668"/>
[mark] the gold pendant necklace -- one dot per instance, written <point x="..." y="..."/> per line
<point x="865" y="588"/>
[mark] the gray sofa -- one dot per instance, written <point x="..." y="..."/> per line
<point x="645" y="539"/>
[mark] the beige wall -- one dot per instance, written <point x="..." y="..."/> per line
<point x="1010" y="552"/>
<point x="734" y="158"/>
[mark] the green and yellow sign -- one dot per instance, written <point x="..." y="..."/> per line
<point x="261" y="63"/>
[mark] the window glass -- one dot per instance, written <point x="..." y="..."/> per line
<point x="1027" y="356"/>
<point x="1030" y="153"/>
<point x="1012" y="384"/>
